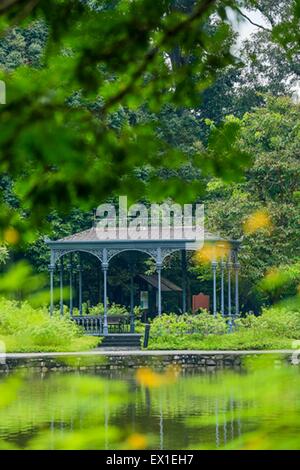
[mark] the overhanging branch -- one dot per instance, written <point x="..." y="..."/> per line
<point x="7" y="4"/>
<point x="251" y="21"/>
<point x="197" y="13"/>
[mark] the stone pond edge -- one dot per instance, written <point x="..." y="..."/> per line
<point x="108" y="360"/>
<point x="154" y="352"/>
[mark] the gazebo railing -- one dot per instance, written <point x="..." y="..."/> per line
<point x="93" y="324"/>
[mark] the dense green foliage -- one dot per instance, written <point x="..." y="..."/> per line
<point x="181" y="325"/>
<point x="26" y="329"/>
<point x="275" y="328"/>
<point x="89" y="55"/>
<point x="82" y="104"/>
<point x="23" y="46"/>
<point x="271" y="135"/>
<point x="113" y="309"/>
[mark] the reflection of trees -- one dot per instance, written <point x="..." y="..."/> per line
<point x="176" y="405"/>
<point x="259" y="409"/>
<point x="62" y="412"/>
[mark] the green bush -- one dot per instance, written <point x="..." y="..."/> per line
<point x="113" y="309"/>
<point x="202" y="324"/>
<point x="276" y="328"/>
<point x="278" y="321"/>
<point x="24" y="328"/>
<point x="27" y="329"/>
<point x="236" y="341"/>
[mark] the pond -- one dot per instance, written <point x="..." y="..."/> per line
<point x="257" y="407"/>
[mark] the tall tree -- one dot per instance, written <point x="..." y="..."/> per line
<point x="265" y="208"/>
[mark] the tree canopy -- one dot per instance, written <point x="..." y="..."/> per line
<point x="152" y="100"/>
<point x="115" y="56"/>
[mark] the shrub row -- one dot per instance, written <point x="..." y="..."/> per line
<point x="276" y="328"/>
<point x="24" y="328"/>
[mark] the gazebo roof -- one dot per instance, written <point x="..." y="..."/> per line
<point x="90" y="235"/>
<point x="106" y="248"/>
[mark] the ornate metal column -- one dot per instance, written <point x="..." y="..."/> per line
<point x="51" y="271"/>
<point x="131" y="301"/>
<point x="61" y="286"/>
<point x="105" y="269"/>
<point x="229" y="267"/>
<point x="214" y="270"/>
<point x="222" y="266"/>
<point x="236" y="275"/>
<point x="158" y="268"/>
<point x="70" y="268"/>
<point x="183" y="267"/>
<point x="79" y="267"/>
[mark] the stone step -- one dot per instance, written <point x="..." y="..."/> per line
<point x="121" y="338"/>
<point x="121" y="341"/>
<point x="118" y="341"/>
<point x="123" y="335"/>
<point x="123" y="345"/>
<point x="120" y="348"/>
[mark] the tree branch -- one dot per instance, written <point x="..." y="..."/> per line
<point x="252" y="22"/>
<point x="7" y="4"/>
<point x="26" y="10"/>
<point x="198" y="12"/>
<point x="25" y="7"/>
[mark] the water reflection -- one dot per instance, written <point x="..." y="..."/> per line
<point x="114" y="410"/>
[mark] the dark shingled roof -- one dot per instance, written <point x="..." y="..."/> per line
<point x="166" y="285"/>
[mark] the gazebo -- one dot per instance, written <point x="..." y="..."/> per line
<point x="224" y="268"/>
